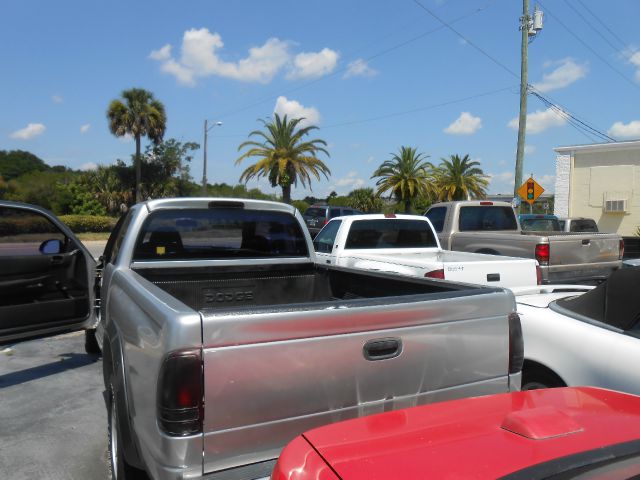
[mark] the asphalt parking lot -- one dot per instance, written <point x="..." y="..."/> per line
<point x="53" y="422"/>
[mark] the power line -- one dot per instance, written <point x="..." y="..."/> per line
<point x="403" y="112"/>
<point x="614" y="34"/>
<point x="597" y="30"/>
<point x="420" y="109"/>
<point x="483" y="52"/>
<point x="605" y="61"/>
<point x="386" y="51"/>
<point x="570" y="117"/>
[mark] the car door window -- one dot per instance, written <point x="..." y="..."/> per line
<point x="23" y="231"/>
<point x="323" y="243"/>
<point x="115" y="239"/>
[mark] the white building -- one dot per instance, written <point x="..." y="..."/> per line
<point x="600" y="181"/>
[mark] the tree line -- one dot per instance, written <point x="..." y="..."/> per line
<point x="283" y="151"/>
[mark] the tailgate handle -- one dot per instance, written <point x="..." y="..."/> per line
<point x="493" y="277"/>
<point x="586" y="241"/>
<point x="382" y="349"/>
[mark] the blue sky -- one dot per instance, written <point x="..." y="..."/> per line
<point x="372" y="74"/>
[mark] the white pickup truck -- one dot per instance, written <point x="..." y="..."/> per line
<point x="408" y="244"/>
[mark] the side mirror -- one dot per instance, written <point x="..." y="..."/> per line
<point x="51" y="247"/>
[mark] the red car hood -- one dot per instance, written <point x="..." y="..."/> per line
<point x="482" y="437"/>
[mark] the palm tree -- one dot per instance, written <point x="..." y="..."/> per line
<point x="284" y="158"/>
<point x="407" y="176"/>
<point x="365" y="199"/>
<point x="140" y="115"/>
<point x="460" y="179"/>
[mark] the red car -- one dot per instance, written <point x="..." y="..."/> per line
<point x="583" y="432"/>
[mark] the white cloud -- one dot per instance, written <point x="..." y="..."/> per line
<point x="163" y="53"/>
<point x="625" y="131"/>
<point x="57" y="98"/>
<point x="632" y="54"/>
<point x="465" y="124"/>
<point x="529" y="149"/>
<point x="184" y="75"/>
<point x="88" y="166"/>
<point x="126" y="138"/>
<point x="85" y="128"/>
<point x="30" y="131"/>
<point x="370" y="159"/>
<point x="567" y="72"/>
<point x="540" y="120"/>
<point x="294" y="109"/>
<point x="313" y="64"/>
<point x="199" y="57"/>
<point x="359" y="68"/>
<point x="350" y="180"/>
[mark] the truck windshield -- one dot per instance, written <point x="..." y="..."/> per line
<point x="218" y="233"/>
<point x="489" y="217"/>
<point x="390" y="233"/>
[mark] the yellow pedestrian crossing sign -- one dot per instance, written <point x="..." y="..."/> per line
<point x="530" y="191"/>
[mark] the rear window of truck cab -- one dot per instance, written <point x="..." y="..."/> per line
<point x="390" y="233"/>
<point x="489" y="217"/>
<point x="219" y="233"/>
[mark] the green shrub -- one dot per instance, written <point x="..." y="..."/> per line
<point x="88" y="223"/>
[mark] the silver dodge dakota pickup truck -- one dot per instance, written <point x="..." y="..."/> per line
<point x="222" y="340"/>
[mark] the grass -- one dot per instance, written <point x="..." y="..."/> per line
<point x="93" y="236"/>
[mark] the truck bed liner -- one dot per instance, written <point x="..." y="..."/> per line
<point x="204" y="288"/>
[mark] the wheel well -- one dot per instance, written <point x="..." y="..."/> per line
<point x="532" y="367"/>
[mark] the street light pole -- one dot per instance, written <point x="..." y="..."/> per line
<point x="204" y="165"/>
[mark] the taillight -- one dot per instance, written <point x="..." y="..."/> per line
<point x="542" y="253"/>
<point x="325" y="222"/>
<point x="621" y="250"/>
<point x="180" y="406"/>
<point x="435" y="274"/>
<point x="538" y="274"/>
<point x="516" y="344"/>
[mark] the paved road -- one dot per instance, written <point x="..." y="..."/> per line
<point x="53" y="419"/>
<point x="96" y="247"/>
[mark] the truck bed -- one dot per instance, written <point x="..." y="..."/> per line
<point x="231" y="288"/>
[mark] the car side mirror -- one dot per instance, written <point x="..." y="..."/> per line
<point x="51" y="247"/>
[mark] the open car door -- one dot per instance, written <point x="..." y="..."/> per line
<point x="46" y="274"/>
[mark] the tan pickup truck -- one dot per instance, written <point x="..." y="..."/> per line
<point x="492" y="227"/>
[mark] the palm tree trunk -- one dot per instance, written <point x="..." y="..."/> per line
<point x="138" y="171"/>
<point x="286" y="194"/>
<point x="407" y="206"/>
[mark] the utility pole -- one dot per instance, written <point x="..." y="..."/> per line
<point x="204" y="166"/>
<point x="529" y="27"/>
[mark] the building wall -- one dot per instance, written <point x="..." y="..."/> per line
<point x="613" y="175"/>
<point x="563" y="181"/>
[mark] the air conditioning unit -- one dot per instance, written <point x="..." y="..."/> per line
<point x="615" y="206"/>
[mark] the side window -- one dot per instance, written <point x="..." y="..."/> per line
<point x="437" y="216"/>
<point x="22" y="232"/>
<point x="334" y="212"/>
<point x="115" y="239"/>
<point x="347" y="212"/>
<point x="324" y="241"/>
